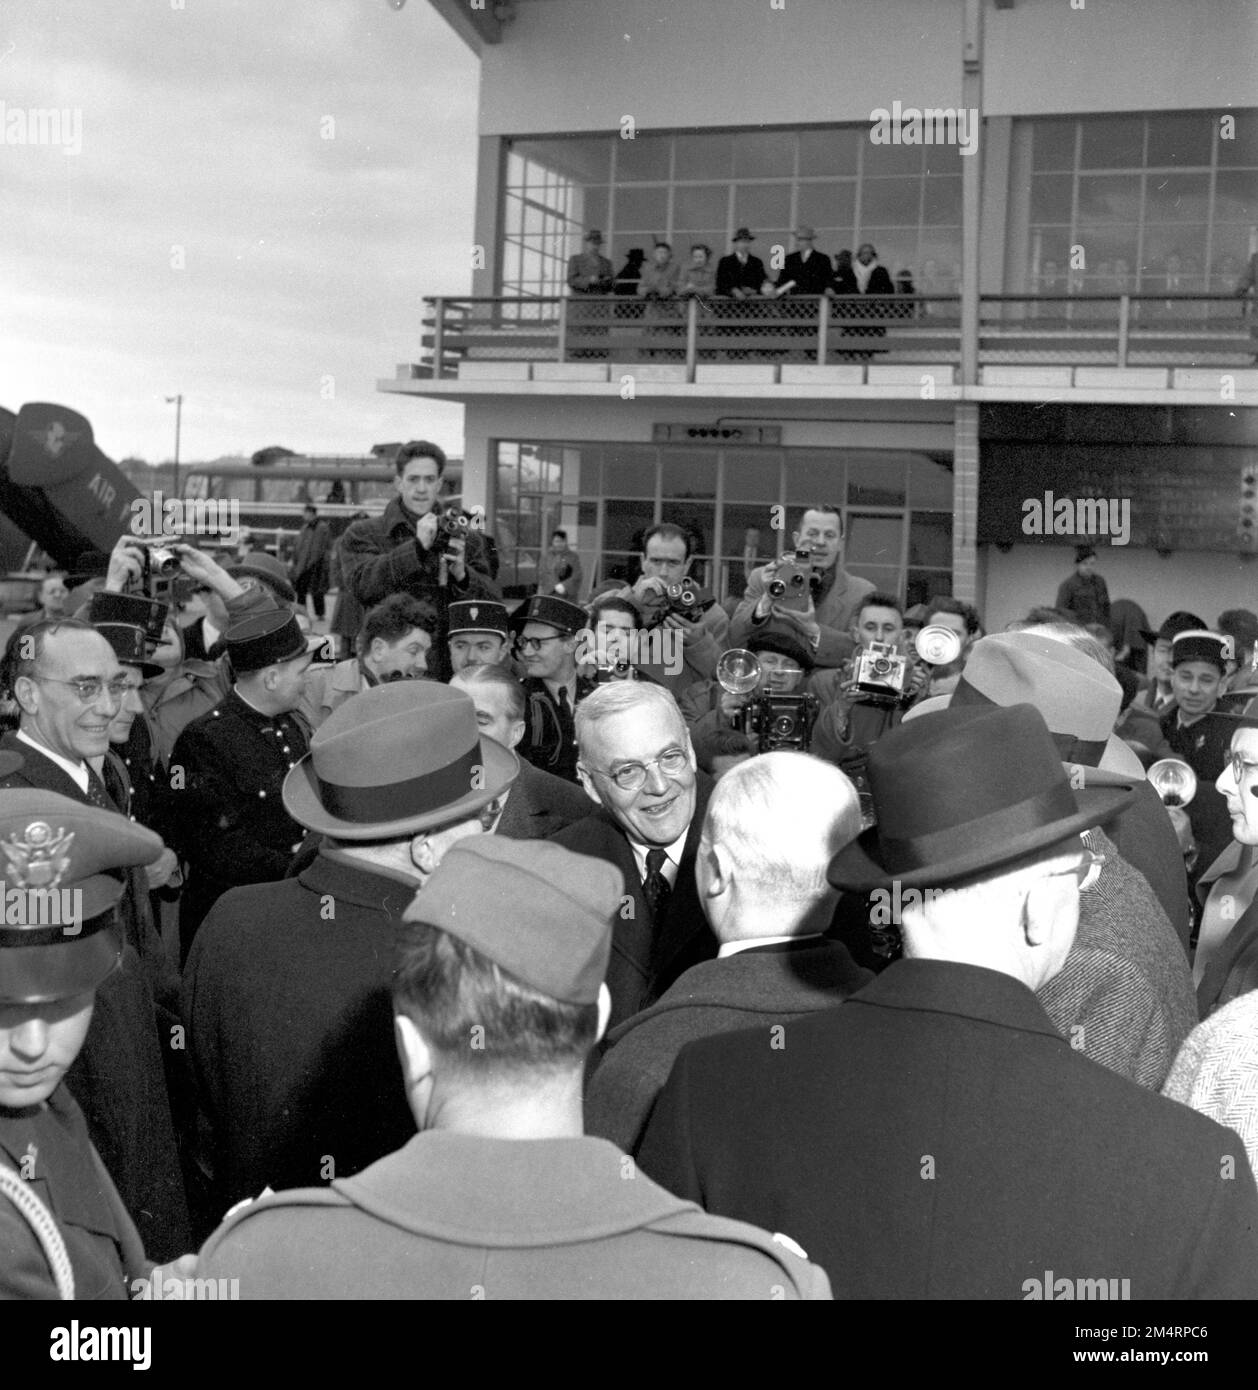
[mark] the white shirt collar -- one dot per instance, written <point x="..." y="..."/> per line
<point x="209" y="633"/>
<point x="77" y="772"/>
<point x="671" y="864"/>
<point x="732" y="948"/>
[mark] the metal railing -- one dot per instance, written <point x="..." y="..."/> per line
<point x="1116" y="330"/>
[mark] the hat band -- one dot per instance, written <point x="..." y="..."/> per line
<point x="397" y="800"/>
<point x="1072" y="749"/>
<point x="1056" y="803"/>
<point x="55" y="936"/>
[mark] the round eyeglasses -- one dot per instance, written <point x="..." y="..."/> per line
<point x="1240" y="766"/>
<point x="629" y="777"/>
<point x="535" y="644"/>
<point x="88" y="690"/>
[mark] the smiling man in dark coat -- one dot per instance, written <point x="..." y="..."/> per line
<point x="773" y="825"/>
<point x="286" y="992"/>
<point x="637" y="765"/>
<point x="934" y="1136"/>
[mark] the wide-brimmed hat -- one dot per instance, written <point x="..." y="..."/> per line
<point x="742" y="234"/>
<point x="263" y="565"/>
<point x="129" y="646"/>
<point x="963" y="791"/>
<point x="594" y="235"/>
<point x="59" y="936"/>
<point x="1179" y="621"/>
<point x="394" y="760"/>
<point x="787" y="644"/>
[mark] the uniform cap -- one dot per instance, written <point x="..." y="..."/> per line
<point x="538" y="911"/>
<point x="129" y="646"/>
<point x="558" y="613"/>
<point x="146" y="613"/>
<point x="59" y="937"/>
<point x="261" y="564"/>
<point x="478" y="615"/>
<point x="1202" y="645"/>
<point x="262" y="639"/>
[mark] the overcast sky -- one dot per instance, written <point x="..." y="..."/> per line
<point x="305" y="258"/>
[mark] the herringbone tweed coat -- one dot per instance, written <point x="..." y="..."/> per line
<point x="1125" y="994"/>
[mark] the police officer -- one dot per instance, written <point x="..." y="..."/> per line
<point x="63" y="1228"/>
<point x="546" y="642"/>
<point x="498" y="998"/>
<point x="480" y="634"/>
<point x="228" y="768"/>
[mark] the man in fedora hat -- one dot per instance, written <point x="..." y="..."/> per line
<point x="498" y="998"/>
<point x="806" y="270"/>
<point x="286" y="991"/>
<point x="589" y="271"/>
<point x="740" y="275"/>
<point x="60" y="944"/>
<point x="480" y="634"/>
<point x="546" y="631"/>
<point x="229" y="765"/>
<point x="935" y="1136"/>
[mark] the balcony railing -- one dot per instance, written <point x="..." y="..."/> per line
<point x="1136" y="330"/>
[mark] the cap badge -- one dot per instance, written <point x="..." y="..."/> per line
<point x="475" y="612"/>
<point x="40" y="859"/>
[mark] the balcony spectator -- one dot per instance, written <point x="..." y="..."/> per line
<point x="589" y="271"/>
<point x="630" y="273"/>
<point x="807" y="270"/>
<point x="904" y="286"/>
<point x="1084" y="595"/>
<point x="843" y="281"/>
<point x="660" y="280"/>
<point x="698" y="279"/>
<point x="740" y="275"/>
<point x="871" y="276"/>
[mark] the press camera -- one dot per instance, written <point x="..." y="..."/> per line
<point x="684" y="598"/>
<point x="794" y="582"/>
<point x="775" y="721"/>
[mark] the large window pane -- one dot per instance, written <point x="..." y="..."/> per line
<point x="1236" y="197"/>
<point x="1109" y="198"/>
<point x="1052" y="197"/>
<point x="887" y="161"/>
<point x="1112" y="143"/>
<point x="590" y="209"/>
<point x="930" y="540"/>
<point x="942" y="202"/>
<point x="768" y="154"/>
<point x="759" y="206"/>
<point x="644" y="159"/>
<point x="688" y="473"/>
<point x="1181" y="137"/>
<point x="829" y="151"/>
<point x="1241" y="151"/>
<point x="583" y="160"/>
<point x="641" y="209"/>
<point x="873" y="540"/>
<point x="752" y="477"/>
<point x="875" y="482"/>
<point x="700" y="206"/>
<point x="1177" y="198"/>
<point x="629" y="471"/>
<point x="831" y="204"/>
<point x="813" y="476"/>
<point x="704" y="157"/>
<point x="891" y="202"/>
<point x="623" y="524"/>
<point x="1053" y="145"/>
<point x="930" y="485"/>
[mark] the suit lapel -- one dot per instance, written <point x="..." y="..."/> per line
<point x="41" y="772"/>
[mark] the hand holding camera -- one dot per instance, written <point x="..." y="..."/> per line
<point x="426" y="529"/>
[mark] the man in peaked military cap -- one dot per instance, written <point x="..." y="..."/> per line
<point x="546" y="639"/>
<point x="480" y="634"/>
<point x="59" y="941"/>
<point x="231" y="764"/>
<point x="498" y="998"/>
<point x="286" y="992"/>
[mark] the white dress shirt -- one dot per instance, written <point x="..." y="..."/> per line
<point x="77" y="772"/>
<point x="670" y="865"/>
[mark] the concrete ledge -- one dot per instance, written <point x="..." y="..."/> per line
<point x="647" y="371"/>
<point x="1138" y="378"/>
<point x="1212" y="379"/>
<point x="736" y="374"/>
<point x="569" y="371"/>
<point x="907" y="375"/>
<point x="823" y="376"/>
<point x="1025" y="376"/>
<point x="494" y="371"/>
<point x="406" y="371"/>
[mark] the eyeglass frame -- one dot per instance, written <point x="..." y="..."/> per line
<point x="1087" y="871"/>
<point x="117" y="688"/>
<point x="1238" y="765"/>
<point x="535" y="643"/>
<point x="643" y="767"/>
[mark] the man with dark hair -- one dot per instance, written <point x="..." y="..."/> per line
<point x="935" y="1136"/>
<point x="286" y="992"/>
<point x="547" y="633"/>
<point x="480" y="634"/>
<point x="394" y="644"/>
<point x="231" y="764"/>
<point x="309" y="566"/>
<point x="498" y="999"/>
<point x="537" y="804"/>
<point x="826" y="617"/>
<point x="401" y="551"/>
<point x="961" y="618"/>
<point x="1242" y="684"/>
<point x="560" y="572"/>
<point x="1084" y="596"/>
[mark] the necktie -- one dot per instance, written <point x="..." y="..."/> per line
<point x="565" y="707"/>
<point x="96" y="791"/>
<point x="655" y="887"/>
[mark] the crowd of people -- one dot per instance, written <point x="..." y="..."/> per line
<point x="627" y="943"/>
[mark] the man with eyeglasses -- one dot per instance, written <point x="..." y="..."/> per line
<point x="637" y="766"/>
<point x="547" y="630"/>
<point x="935" y="1136"/>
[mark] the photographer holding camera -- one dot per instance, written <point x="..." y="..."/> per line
<point x="417" y="548"/>
<point x="867" y="696"/>
<point x="774" y="713"/>
<point x="822" y="607"/>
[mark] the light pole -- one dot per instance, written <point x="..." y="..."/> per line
<point x="177" y="402"/>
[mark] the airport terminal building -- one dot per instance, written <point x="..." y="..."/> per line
<point x="1064" y="191"/>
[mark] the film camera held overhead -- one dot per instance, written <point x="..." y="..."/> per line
<point x="774" y="721"/>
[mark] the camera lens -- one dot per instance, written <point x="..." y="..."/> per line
<point x="776" y="588"/>
<point x="783" y="726"/>
<point x="881" y="666"/>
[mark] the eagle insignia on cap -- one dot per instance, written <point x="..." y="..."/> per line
<point x="41" y="858"/>
<point x="55" y="439"/>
